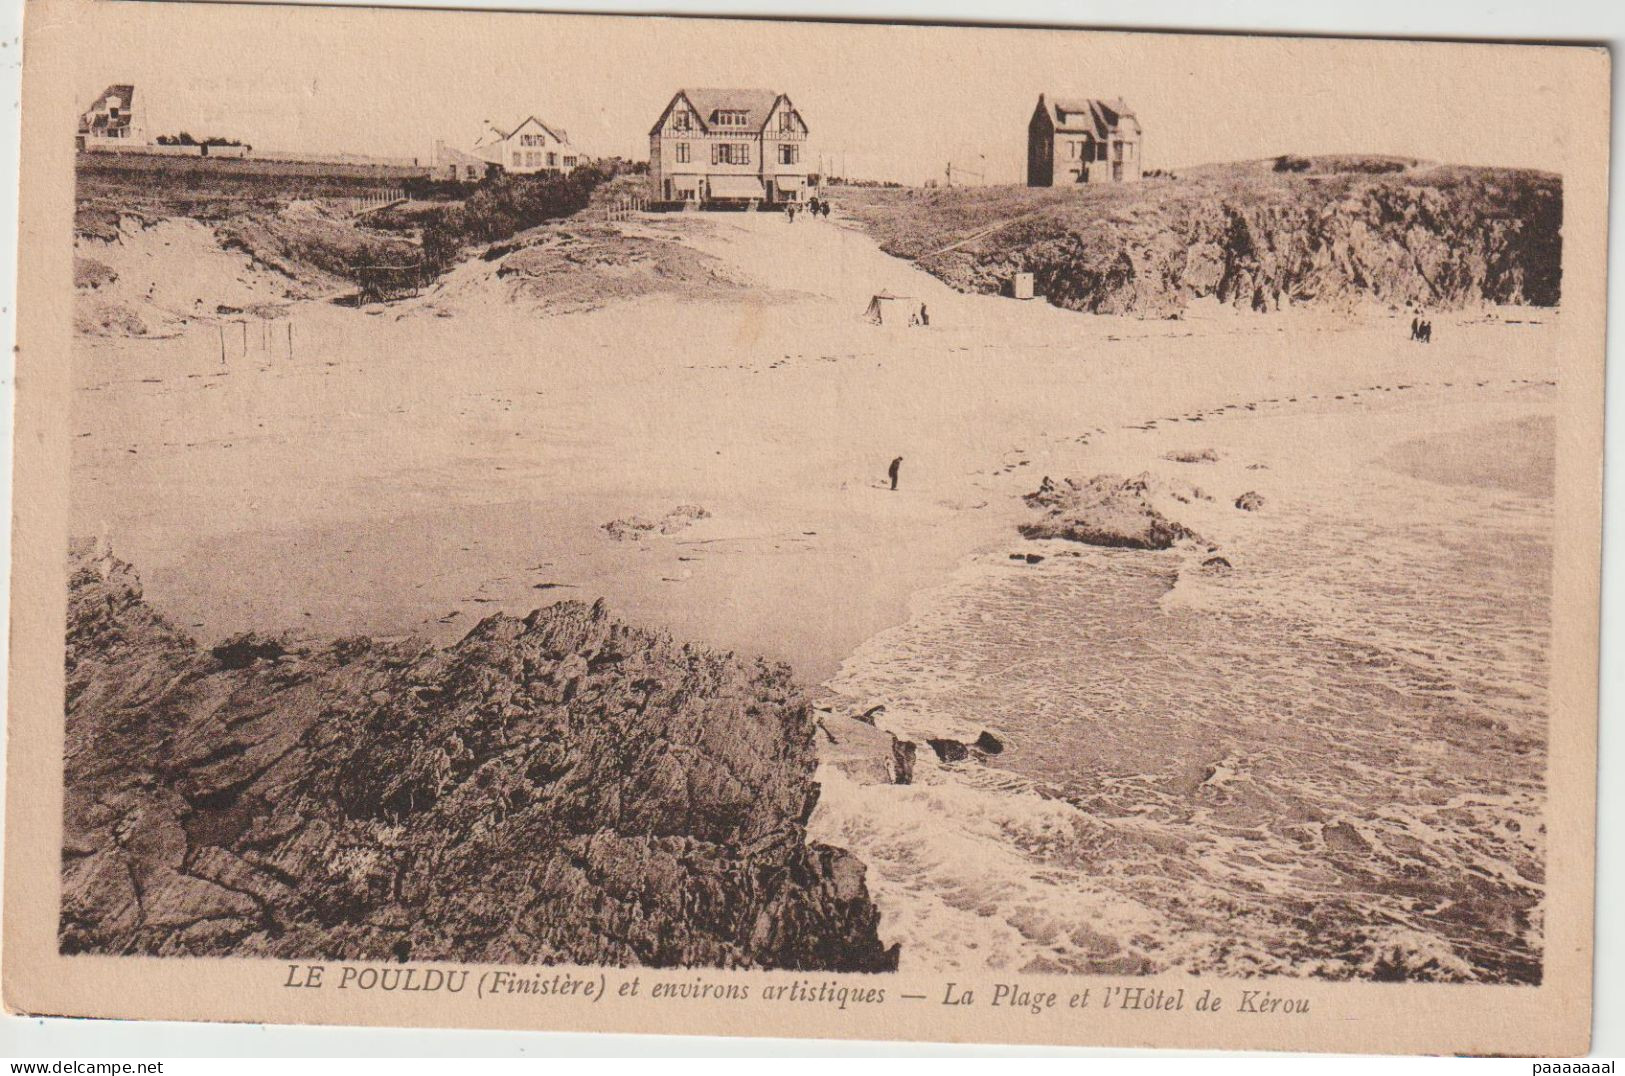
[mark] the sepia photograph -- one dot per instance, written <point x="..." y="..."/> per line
<point x="955" y="517"/>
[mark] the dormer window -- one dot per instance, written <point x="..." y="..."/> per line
<point x="727" y="117"/>
<point x="680" y="120"/>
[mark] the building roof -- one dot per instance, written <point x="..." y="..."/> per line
<point x="96" y="119"/>
<point x="757" y="105"/>
<point x="502" y="134"/>
<point x="1089" y="115"/>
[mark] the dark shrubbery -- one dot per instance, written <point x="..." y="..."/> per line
<point x="424" y="189"/>
<point x="1289" y="163"/>
<point x="505" y="206"/>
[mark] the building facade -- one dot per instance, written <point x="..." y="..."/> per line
<point x="530" y="148"/>
<point x="729" y="146"/>
<point x="1082" y="140"/>
<point x="113" y="121"/>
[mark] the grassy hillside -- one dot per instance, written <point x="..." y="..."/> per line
<point x="1260" y="235"/>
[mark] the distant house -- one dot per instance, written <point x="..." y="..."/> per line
<point x="526" y="149"/>
<point x="729" y="146"/>
<point x="113" y="121"/>
<point x="1082" y="140"/>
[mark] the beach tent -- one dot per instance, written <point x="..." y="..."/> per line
<point x="888" y="309"/>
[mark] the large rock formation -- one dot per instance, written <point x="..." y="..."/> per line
<point x="1338" y="233"/>
<point x="561" y="788"/>
<point x="1106" y="510"/>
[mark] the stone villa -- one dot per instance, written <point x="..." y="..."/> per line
<point x="1082" y="140"/>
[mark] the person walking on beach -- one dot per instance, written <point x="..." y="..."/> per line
<point x="892" y="471"/>
<point x="925" y="318"/>
<point x="1416" y="328"/>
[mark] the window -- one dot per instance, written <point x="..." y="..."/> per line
<point x="727" y="117"/>
<point x="789" y="154"/>
<point x="533" y="140"/>
<point x="469" y="172"/>
<point x="1100" y="151"/>
<point x="569" y="162"/>
<point x="680" y="120"/>
<point x="786" y="121"/>
<point x="681" y="153"/>
<point x="552" y="160"/>
<point x="730" y="153"/>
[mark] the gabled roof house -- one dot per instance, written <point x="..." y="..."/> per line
<point x="1082" y="140"/>
<point x="729" y="145"/>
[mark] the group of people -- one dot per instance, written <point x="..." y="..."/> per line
<point x="1421" y="331"/>
<point x="816" y="206"/>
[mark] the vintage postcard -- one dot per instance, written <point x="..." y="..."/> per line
<point x="806" y="529"/>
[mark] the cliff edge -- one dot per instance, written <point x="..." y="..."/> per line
<point x="558" y="788"/>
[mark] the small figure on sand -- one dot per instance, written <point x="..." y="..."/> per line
<point x="925" y="318"/>
<point x="812" y="207"/>
<point x="823" y="208"/>
<point x="892" y="470"/>
<point x="1421" y="331"/>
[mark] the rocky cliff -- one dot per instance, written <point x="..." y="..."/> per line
<point x="1335" y="233"/>
<point x="558" y="788"/>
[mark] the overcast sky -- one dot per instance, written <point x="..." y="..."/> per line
<point x="893" y="102"/>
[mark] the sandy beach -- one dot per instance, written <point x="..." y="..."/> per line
<point x="412" y="468"/>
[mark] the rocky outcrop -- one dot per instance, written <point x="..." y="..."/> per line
<point x="1106" y="510"/>
<point x="1251" y="237"/>
<point x="951" y="750"/>
<point x="557" y="788"/>
<point x="865" y="753"/>
<point x="1251" y="501"/>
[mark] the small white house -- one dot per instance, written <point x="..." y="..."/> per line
<point x="531" y="147"/>
<point x="113" y="121"/>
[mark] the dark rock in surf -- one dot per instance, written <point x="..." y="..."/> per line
<point x="1106" y="510"/>
<point x="988" y="744"/>
<point x="949" y="750"/>
<point x="1251" y="501"/>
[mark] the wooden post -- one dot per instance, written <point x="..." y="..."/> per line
<point x="290" y="341"/>
<point x="222" y="329"/>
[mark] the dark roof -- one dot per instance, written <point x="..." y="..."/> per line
<point x="757" y="105"/>
<point x="95" y="118"/>
<point x="1089" y="115"/>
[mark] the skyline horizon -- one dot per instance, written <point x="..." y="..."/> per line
<point x="968" y="109"/>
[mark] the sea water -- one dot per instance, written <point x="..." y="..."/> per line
<point x="1327" y="761"/>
